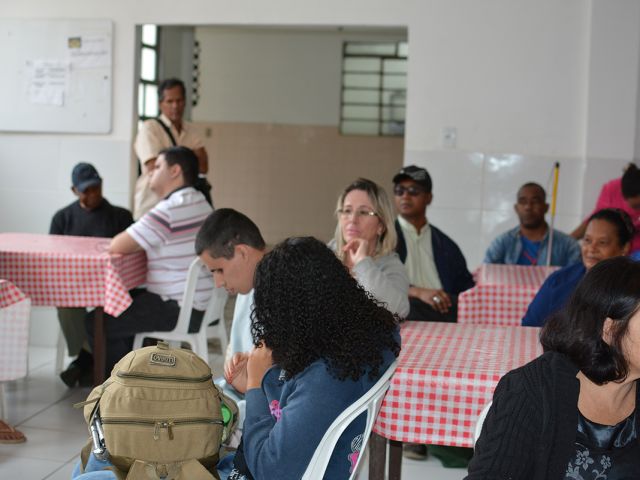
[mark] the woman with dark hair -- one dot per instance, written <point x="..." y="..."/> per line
<point x="622" y="193"/>
<point x="572" y="413"/>
<point x="609" y="233"/>
<point x="321" y="342"/>
<point x="365" y="240"/>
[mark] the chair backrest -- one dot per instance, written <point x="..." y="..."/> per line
<point x="182" y="326"/>
<point x="371" y="402"/>
<point x="479" y="422"/>
<point x="215" y="309"/>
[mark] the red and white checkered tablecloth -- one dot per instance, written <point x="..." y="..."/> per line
<point x="9" y="294"/>
<point x="446" y="375"/>
<point x="66" y="271"/>
<point x="502" y="294"/>
<point x="15" y="309"/>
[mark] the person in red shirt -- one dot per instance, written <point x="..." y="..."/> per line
<point x="622" y="193"/>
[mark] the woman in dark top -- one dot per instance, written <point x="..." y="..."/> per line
<point x="573" y="412"/>
<point x="609" y="233"/>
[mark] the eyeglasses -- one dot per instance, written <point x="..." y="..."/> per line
<point x="413" y="191"/>
<point x="360" y="212"/>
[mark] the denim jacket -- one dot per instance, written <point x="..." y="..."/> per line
<point x="506" y="249"/>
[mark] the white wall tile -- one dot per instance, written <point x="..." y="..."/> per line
<point x="457" y="176"/>
<point x="463" y="226"/>
<point x="504" y="174"/>
<point x="566" y="223"/>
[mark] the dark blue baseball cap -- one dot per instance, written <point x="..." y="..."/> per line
<point x="417" y="174"/>
<point x="85" y="175"/>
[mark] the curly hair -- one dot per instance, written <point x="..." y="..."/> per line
<point x="610" y="289"/>
<point x="308" y="307"/>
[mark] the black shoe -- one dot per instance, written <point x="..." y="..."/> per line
<point x="86" y="379"/>
<point x="71" y="375"/>
<point x="84" y="360"/>
<point x="79" y="371"/>
<point x="414" y="451"/>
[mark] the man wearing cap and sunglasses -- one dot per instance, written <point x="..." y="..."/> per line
<point x="436" y="267"/>
<point x="89" y="216"/>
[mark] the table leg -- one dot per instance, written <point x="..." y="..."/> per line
<point x="395" y="460"/>
<point x="99" y="346"/>
<point x="377" y="456"/>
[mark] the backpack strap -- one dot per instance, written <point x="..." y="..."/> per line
<point x="167" y="130"/>
<point x="188" y="470"/>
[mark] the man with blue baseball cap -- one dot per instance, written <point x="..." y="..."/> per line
<point x="91" y="215"/>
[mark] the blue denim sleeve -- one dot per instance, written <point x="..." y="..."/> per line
<point x="93" y="471"/>
<point x="495" y="252"/>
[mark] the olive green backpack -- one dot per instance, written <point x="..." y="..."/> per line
<point x="159" y="416"/>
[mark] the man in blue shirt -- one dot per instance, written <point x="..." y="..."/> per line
<point x="527" y="244"/>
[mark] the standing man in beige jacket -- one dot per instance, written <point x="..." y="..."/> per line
<point x="167" y="130"/>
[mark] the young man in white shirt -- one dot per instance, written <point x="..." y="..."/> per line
<point x="167" y="234"/>
<point x="231" y="246"/>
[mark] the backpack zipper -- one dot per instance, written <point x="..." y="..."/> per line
<point x="158" y="424"/>
<point x="165" y="378"/>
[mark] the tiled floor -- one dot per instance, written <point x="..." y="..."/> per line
<point x="41" y="407"/>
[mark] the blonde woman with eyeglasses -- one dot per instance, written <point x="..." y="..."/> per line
<point x="365" y="241"/>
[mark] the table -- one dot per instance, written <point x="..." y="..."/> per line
<point x="15" y="309"/>
<point x="502" y="294"/>
<point x="446" y="375"/>
<point x="67" y="271"/>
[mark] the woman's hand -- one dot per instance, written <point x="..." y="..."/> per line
<point x="354" y="251"/>
<point x="437" y="298"/>
<point x="235" y="371"/>
<point x="260" y="360"/>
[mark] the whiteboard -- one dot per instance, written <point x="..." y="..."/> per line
<point x="56" y="75"/>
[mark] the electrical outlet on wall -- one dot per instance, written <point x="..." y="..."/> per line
<point x="449" y="137"/>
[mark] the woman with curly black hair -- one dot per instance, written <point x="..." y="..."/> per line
<point x="321" y="342"/>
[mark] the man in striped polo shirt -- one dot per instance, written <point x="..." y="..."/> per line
<point x="167" y="234"/>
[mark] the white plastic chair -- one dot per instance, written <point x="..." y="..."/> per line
<point x="219" y="327"/>
<point x="479" y="422"/>
<point x="61" y="352"/>
<point x="198" y="341"/>
<point x="371" y="402"/>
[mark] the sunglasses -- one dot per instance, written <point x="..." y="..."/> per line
<point x="413" y="191"/>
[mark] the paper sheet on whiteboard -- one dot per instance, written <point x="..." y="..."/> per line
<point x="88" y="51"/>
<point x="48" y="81"/>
